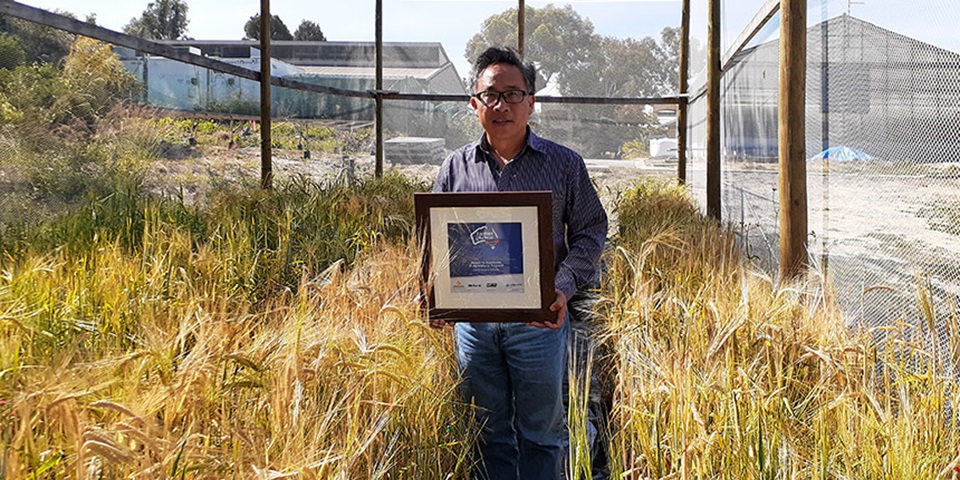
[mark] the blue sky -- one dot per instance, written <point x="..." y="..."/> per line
<point x="453" y="22"/>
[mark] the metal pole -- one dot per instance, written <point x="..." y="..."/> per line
<point x="793" y="162"/>
<point x="521" y="18"/>
<point x="378" y="167"/>
<point x="825" y="132"/>
<point x="713" y="110"/>
<point x="266" y="140"/>
<point x="684" y="89"/>
<point x="743" y="208"/>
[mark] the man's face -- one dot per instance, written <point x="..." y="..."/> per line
<point x="502" y="120"/>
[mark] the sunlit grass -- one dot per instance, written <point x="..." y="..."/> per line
<point x="339" y="379"/>
<point x="720" y="375"/>
<point x="171" y="357"/>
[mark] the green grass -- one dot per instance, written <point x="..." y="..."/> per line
<point x="300" y="226"/>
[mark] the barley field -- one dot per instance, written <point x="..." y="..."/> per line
<point x="206" y="328"/>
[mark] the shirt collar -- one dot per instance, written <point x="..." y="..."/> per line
<point x="533" y="141"/>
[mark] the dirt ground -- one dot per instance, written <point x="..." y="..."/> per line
<point x="878" y="234"/>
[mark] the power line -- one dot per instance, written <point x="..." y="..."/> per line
<point x="851" y="3"/>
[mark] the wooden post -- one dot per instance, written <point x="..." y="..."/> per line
<point x="266" y="139"/>
<point x="684" y="89"/>
<point x="521" y="19"/>
<point x="793" y="162"/>
<point x="713" y="110"/>
<point x="378" y="167"/>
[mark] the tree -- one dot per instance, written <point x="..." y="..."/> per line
<point x="162" y="20"/>
<point x="309" y="32"/>
<point x="557" y="39"/>
<point x="633" y="68"/>
<point x="670" y="43"/>
<point x="278" y="30"/>
<point x="40" y="43"/>
<point x="565" y="49"/>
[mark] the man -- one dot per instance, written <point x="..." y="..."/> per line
<point x="513" y="372"/>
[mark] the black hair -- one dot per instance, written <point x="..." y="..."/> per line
<point x="504" y="56"/>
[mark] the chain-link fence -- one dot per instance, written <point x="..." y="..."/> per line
<point x="883" y="141"/>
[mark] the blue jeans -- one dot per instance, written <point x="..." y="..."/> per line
<point x="513" y="374"/>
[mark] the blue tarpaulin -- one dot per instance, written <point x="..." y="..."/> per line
<point x="842" y="154"/>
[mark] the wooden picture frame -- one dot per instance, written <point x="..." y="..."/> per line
<point x="487" y="256"/>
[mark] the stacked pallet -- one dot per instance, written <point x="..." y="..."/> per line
<point x="414" y="150"/>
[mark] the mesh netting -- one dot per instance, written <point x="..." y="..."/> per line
<point x="883" y="175"/>
<point x="74" y="116"/>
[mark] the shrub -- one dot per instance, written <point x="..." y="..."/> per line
<point x="40" y="43"/>
<point x="634" y="149"/>
<point x="11" y="53"/>
<point x="9" y="113"/>
<point x="65" y="102"/>
<point x="34" y="91"/>
<point x="96" y="80"/>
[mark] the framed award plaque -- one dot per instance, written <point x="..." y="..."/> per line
<point x="487" y="257"/>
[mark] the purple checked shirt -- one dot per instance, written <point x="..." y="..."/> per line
<point x="579" y="221"/>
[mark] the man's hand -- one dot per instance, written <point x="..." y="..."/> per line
<point x="560" y="306"/>
<point x="421" y="301"/>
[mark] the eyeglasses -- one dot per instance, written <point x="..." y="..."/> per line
<point x="490" y="98"/>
